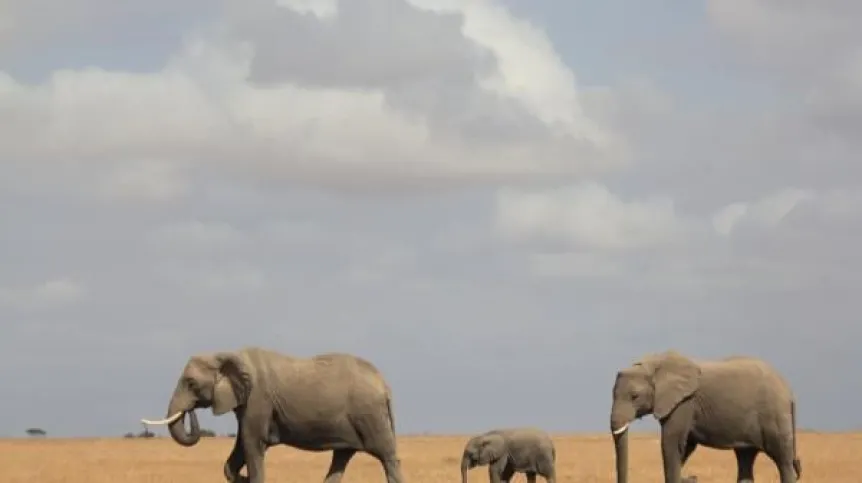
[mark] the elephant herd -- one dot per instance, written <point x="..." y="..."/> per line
<point x="341" y="403"/>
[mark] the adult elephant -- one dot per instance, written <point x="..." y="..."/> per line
<point x="738" y="403"/>
<point x="332" y="401"/>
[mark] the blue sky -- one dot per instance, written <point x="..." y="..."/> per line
<point x="499" y="203"/>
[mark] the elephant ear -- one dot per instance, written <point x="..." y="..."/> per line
<point x="233" y="383"/>
<point x="676" y="377"/>
<point x="493" y="447"/>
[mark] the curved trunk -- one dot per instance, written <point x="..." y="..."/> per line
<point x="465" y="465"/>
<point x="621" y="446"/>
<point x="177" y="429"/>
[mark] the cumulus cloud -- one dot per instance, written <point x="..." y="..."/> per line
<point x="387" y="105"/>
<point x="587" y="232"/>
<point x="588" y="215"/>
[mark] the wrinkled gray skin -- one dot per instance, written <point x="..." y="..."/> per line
<point x="506" y="451"/>
<point x="331" y="401"/>
<point x="738" y="403"/>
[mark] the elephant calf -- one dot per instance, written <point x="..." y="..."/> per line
<point x="506" y="451"/>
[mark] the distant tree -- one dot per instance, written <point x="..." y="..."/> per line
<point x="146" y="433"/>
<point x="36" y="432"/>
<point x="129" y="435"/>
<point x="208" y="433"/>
<point x="231" y="435"/>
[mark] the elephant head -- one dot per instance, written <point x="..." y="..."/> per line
<point x="655" y="385"/>
<point x="219" y="381"/>
<point x="482" y="450"/>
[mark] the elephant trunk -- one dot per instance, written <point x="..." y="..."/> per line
<point x="179" y="433"/>
<point x="177" y="428"/>
<point x="465" y="465"/>
<point x="622" y="414"/>
<point x="621" y="446"/>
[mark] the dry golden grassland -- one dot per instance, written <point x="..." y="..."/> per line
<point x="832" y="458"/>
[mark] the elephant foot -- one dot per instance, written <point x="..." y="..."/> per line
<point x="237" y="478"/>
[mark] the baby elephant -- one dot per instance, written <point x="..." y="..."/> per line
<point x="505" y="451"/>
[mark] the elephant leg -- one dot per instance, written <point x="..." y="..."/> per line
<point x="779" y="447"/>
<point x="254" y="450"/>
<point x="549" y="473"/>
<point x="531" y="477"/>
<point x="235" y="461"/>
<point x="340" y="458"/>
<point x="787" y="473"/>
<point x="674" y="441"/>
<point x="494" y="474"/>
<point x="500" y="471"/>
<point x="745" y="464"/>
<point x="783" y="459"/>
<point x="690" y="446"/>
<point x="381" y="443"/>
<point x="391" y="466"/>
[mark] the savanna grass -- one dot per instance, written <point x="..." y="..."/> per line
<point x="828" y="457"/>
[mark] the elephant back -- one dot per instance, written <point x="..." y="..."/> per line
<point x="359" y="370"/>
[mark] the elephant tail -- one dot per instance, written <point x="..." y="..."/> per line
<point x="390" y="412"/>
<point x="797" y="464"/>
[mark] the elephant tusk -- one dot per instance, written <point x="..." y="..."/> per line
<point x="164" y="421"/>
<point x="621" y="430"/>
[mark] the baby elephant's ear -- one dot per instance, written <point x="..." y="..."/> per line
<point x="494" y="447"/>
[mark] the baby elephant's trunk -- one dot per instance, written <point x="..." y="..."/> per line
<point x="465" y="465"/>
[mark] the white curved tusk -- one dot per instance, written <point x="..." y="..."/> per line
<point x="164" y="421"/>
<point x="622" y="430"/>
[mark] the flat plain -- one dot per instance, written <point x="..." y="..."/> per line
<point x="826" y="457"/>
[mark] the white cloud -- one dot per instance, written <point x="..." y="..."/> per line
<point x="587" y="215"/>
<point x="56" y="292"/>
<point x="586" y="232"/>
<point x="529" y="68"/>
<point x="517" y="113"/>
